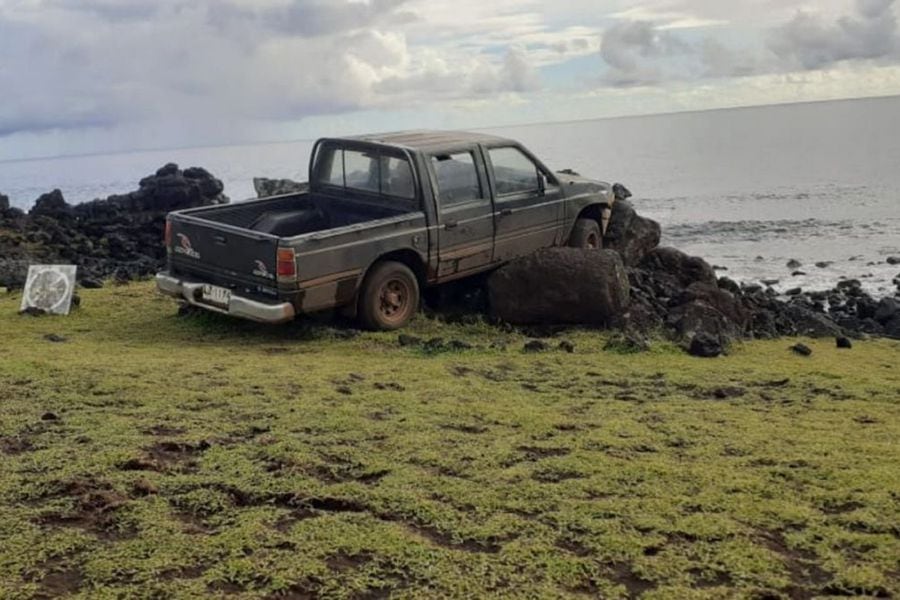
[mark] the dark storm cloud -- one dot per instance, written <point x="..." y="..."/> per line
<point x="809" y="42"/>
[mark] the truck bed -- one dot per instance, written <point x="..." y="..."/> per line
<point x="299" y="214"/>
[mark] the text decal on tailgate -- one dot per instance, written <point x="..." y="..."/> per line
<point x="184" y="247"/>
<point x="261" y="270"/>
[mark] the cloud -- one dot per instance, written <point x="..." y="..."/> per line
<point x="810" y="42"/>
<point x="652" y="51"/>
<point x="637" y="52"/>
<point x="212" y="65"/>
<point x="210" y="71"/>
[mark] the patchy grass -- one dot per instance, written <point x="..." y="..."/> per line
<point x="152" y="455"/>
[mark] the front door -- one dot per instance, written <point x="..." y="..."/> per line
<point x="466" y="217"/>
<point x="527" y="204"/>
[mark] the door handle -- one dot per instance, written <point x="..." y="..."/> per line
<point x="505" y="212"/>
<point x="451" y="225"/>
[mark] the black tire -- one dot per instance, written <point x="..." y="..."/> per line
<point x="389" y="297"/>
<point x="586" y="234"/>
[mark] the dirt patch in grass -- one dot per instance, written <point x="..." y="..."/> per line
<point x="637" y="586"/>
<point x="95" y="509"/>
<point x="189" y="572"/>
<point x="59" y="580"/>
<point x="807" y="576"/>
<point x="14" y="445"/>
<point x="536" y="453"/>
<point x="164" y="431"/>
<point x="168" y="456"/>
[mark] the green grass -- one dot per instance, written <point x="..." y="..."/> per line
<point x="199" y="456"/>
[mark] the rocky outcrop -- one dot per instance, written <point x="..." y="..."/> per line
<point x="119" y="237"/>
<point x="630" y="234"/>
<point x="266" y="188"/>
<point x="561" y="286"/>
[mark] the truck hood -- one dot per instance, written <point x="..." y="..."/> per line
<point x="575" y="185"/>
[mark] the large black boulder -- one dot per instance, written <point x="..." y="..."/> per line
<point x="811" y="324"/>
<point x="705" y="345"/>
<point x="51" y="204"/>
<point x="630" y="234"/>
<point x="886" y="310"/>
<point x="561" y="286"/>
<point x="681" y="268"/>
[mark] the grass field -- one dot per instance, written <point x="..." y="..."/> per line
<point x="151" y="455"/>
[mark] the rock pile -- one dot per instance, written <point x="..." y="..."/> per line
<point x="119" y="237"/>
<point x="671" y="292"/>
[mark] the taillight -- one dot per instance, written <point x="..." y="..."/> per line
<point x="287" y="264"/>
<point x="168" y="237"/>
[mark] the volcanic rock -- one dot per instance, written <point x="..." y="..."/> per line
<point x="561" y="286"/>
<point x="683" y="269"/>
<point x="801" y="349"/>
<point x="266" y="188"/>
<point x="886" y="310"/>
<point x="843" y="343"/>
<point x="704" y="345"/>
<point x="121" y="235"/>
<point x="630" y="234"/>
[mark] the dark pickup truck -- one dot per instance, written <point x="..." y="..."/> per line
<point x="383" y="217"/>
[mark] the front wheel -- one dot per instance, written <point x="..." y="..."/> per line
<point x="389" y="297"/>
<point x="586" y="234"/>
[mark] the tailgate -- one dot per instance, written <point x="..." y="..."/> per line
<point x="220" y="253"/>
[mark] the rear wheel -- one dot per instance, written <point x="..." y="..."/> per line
<point x="586" y="234"/>
<point x="389" y="297"/>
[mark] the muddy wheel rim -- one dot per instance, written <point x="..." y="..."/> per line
<point x="394" y="300"/>
<point x="592" y="242"/>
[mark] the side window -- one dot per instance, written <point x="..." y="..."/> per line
<point x="397" y="178"/>
<point x="361" y="171"/>
<point x="457" y="178"/>
<point x="334" y="169"/>
<point x="331" y="167"/>
<point x="514" y="173"/>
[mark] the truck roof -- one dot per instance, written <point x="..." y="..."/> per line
<point x="426" y="140"/>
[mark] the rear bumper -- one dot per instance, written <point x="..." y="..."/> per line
<point x="238" y="306"/>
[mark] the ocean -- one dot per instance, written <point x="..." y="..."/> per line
<point x="748" y="189"/>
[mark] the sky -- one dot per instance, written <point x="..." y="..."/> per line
<point x="87" y="76"/>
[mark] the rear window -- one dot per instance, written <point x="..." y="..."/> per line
<point x="371" y="172"/>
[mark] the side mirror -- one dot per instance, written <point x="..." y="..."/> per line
<point x="542" y="183"/>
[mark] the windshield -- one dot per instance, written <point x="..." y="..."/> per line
<point x="371" y="172"/>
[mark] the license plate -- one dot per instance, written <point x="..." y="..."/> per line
<point x="216" y="295"/>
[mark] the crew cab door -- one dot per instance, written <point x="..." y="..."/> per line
<point x="465" y="215"/>
<point x="528" y="203"/>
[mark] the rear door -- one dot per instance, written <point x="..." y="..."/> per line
<point x="528" y="203"/>
<point x="222" y="254"/>
<point x="465" y="215"/>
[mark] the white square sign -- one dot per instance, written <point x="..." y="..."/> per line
<point x="50" y="288"/>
